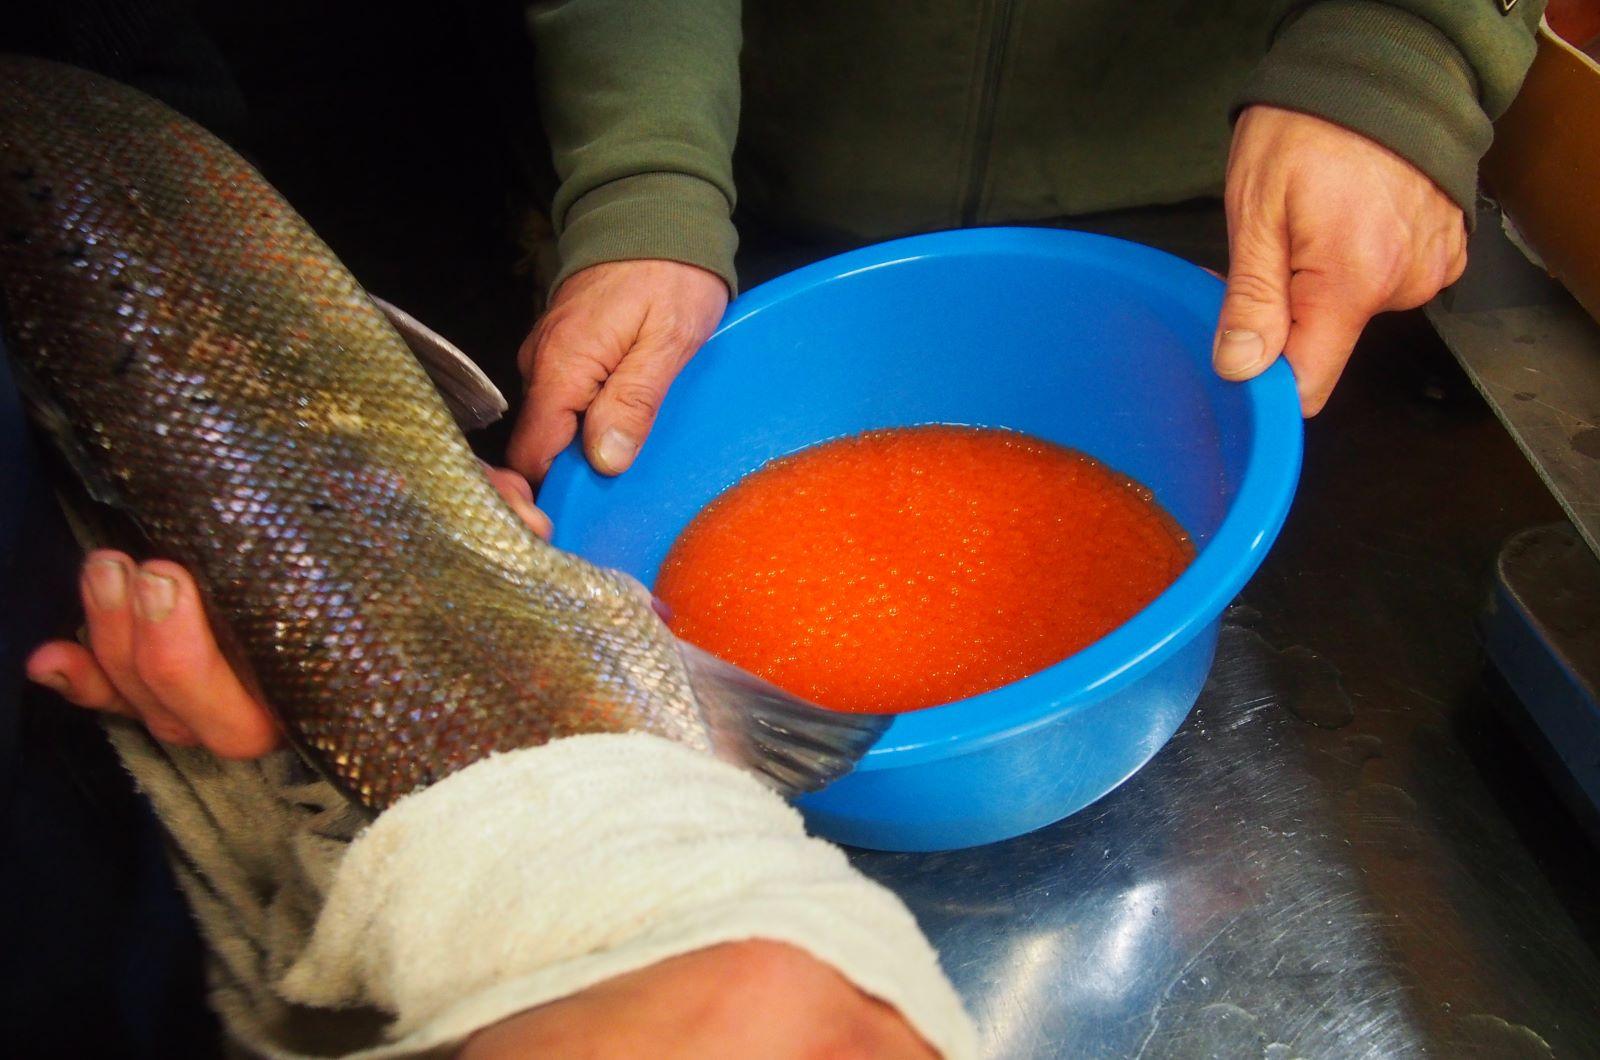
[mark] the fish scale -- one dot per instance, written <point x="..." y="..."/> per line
<point x="210" y="368"/>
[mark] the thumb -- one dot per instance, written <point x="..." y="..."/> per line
<point x="617" y="423"/>
<point x="569" y="364"/>
<point x="1254" y="323"/>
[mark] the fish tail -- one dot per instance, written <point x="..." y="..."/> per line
<point x="794" y="745"/>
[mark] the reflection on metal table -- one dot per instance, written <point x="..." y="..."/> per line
<point x="1343" y="852"/>
<point x="1535" y="355"/>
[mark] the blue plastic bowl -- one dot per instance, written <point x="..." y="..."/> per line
<point x="1091" y="342"/>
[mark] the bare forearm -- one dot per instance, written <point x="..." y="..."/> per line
<point x="752" y="998"/>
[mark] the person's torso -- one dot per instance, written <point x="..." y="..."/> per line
<point x="871" y="118"/>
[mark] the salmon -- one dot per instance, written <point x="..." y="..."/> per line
<point x="210" y="369"/>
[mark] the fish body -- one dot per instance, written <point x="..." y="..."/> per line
<point x="209" y="368"/>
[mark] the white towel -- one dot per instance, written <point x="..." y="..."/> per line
<point x="532" y="875"/>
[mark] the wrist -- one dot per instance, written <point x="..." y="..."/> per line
<point x="652" y="216"/>
<point x="1391" y="76"/>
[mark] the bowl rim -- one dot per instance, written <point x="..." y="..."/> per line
<point x="1195" y="600"/>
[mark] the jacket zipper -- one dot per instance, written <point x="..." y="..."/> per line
<point x="988" y="103"/>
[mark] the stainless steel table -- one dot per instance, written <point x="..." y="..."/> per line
<point x="1535" y="355"/>
<point x="1343" y="852"/>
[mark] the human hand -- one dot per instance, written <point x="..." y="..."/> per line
<point x="1326" y="229"/>
<point x="754" y="998"/>
<point x="609" y="346"/>
<point x="153" y="657"/>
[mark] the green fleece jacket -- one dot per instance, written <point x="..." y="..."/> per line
<point x="866" y="119"/>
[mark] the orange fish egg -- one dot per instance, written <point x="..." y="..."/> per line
<point x="905" y="568"/>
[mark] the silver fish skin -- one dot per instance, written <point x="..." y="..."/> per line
<point x="210" y="368"/>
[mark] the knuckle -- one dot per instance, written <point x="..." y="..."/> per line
<point x="635" y="398"/>
<point x="159" y="674"/>
<point x="1234" y="196"/>
<point x="556" y="334"/>
<point x="88" y="693"/>
<point x="112" y="653"/>
<point x="526" y="352"/>
<point x="571" y="375"/>
<point x="509" y="484"/>
<point x="1415" y="291"/>
<point x="81" y="694"/>
<point x="1392" y="275"/>
<point x="164" y="728"/>
<point x="1439" y="274"/>
<point x="1246" y="289"/>
<point x="1377" y="263"/>
<point x="677" y="334"/>
<point x="1317" y="387"/>
<point x="1425" y="280"/>
<point x="162" y="667"/>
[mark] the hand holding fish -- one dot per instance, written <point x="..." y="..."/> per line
<point x="217" y="380"/>
<point x="152" y="656"/>
<point x="612" y="341"/>
<point x="247" y="406"/>
<point x="1326" y="230"/>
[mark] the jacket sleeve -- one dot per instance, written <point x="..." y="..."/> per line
<point x="1424" y="78"/>
<point x="640" y="100"/>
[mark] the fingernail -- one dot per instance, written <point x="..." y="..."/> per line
<point x="614" y="453"/>
<point x="54" y="679"/>
<point x="1238" y="351"/>
<point x="155" y="597"/>
<point x="108" y="583"/>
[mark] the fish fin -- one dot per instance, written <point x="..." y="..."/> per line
<point x="794" y="745"/>
<point x="54" y="423"/>
<point x="473" y="400"/>
<point x="96" y="525"/>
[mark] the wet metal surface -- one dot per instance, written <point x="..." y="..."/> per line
<point x="1222" y="903"/>
<point x="1536" y="357"/>
<point x="1343" y="852"/>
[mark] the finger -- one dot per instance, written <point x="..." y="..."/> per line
<point x="106" y="586"/>
<point x="568" y="370"/>
<point x="619" y="420"/>
<point x="1458" y="256"/>
<point x="1254" y="323"/>
<point x="1329" y="316"/>
<point x="70" y="670"/>
<point x="177" y="658"/>
<point x="1455" y="250"/>
<point x="1439" y="264"/>
<point x="1457" y="266"/>
<point x="507" y="481"/>
<point x="519" y="495"/>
